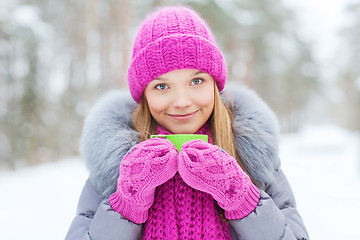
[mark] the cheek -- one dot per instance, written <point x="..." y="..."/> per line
<point x="156" y="105"/>
<point x="205" y="99"/>
<point x="208" y="101"/>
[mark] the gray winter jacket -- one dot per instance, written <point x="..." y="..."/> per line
<point x="108" y="134"/>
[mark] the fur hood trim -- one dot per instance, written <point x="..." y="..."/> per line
<point x="109" y="133"/>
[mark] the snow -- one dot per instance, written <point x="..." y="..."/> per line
<point x="321" y="163"/>
<point x="40" y="202"/>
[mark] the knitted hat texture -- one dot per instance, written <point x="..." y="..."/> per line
<point x="169" y="39"/>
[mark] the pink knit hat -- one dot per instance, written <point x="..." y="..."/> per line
<point x="169" y="39"/>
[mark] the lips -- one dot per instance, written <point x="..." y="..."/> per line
<point x="183" y="117"/>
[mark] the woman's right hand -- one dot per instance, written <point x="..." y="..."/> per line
<point x="147" y="165"/>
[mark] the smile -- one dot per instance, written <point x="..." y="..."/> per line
<point x="183" y="117"/>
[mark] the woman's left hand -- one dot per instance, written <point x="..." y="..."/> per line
<point x="210" y="169"/>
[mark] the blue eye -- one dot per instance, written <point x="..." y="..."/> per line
<point x="197" y="81"/>
<point x="161" y="86"/>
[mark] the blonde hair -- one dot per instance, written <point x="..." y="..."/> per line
<point x="222" y="131"/>
<point x="221" y="125"/>
<point x="143" y="121"/>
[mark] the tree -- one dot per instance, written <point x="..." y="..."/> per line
<point x="20" y="120"/>
<point x="263" y="50"/>
<point x="349" y="73"/>
<point x="77" y="50"/>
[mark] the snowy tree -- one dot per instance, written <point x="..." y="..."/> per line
<point x="57" y="63"/>
<point x="263" y="50"/>
<point x="349" y="76"/>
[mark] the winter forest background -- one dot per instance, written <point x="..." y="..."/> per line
<point x="58" y="57"/>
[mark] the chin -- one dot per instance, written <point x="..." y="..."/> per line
<point x="185" y="130"/>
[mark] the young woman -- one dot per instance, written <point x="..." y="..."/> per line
<point x="230" y="187"/>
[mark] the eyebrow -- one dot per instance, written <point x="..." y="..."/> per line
<point x="192" y="75"/>
<point x="198" y="72"/>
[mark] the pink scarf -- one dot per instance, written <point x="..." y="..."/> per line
<point x="181" y="212"/>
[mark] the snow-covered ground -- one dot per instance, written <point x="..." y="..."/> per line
<point x="38" y="203"/>
<point x="322" y="165"/>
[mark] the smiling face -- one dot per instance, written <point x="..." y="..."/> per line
<point x="181" y="101"/>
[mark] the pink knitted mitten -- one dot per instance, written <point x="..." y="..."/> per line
<point x="148" y="165"/>
<point x="210" y="169"/>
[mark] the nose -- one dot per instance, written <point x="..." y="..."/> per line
<point x="182" y="99"/>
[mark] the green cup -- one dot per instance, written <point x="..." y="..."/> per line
<point x="179" y="139"/>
